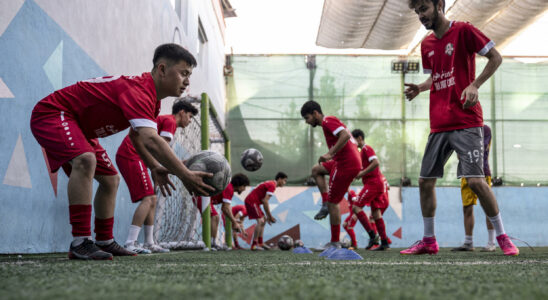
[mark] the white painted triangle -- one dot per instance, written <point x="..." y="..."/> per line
<point x="17" y="173"/>
<point x="316" y="196"/>
<point x="5" y="91"/>
<point x="284" y="194"/>
<point x="394" y="196"/>
<point x="9" y="10"/>
<point x="272" y="206"/>
<point x="283" y="215"/>
<point x="54" y="67"/>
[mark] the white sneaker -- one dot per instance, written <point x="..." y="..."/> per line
<point x="155" y="248"/>
<point x="136" y="247"/>
<point x="489" y="248"/>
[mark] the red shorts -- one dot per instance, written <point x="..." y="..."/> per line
<point x="368" y="195"/>
<point x="350" y="222"/>
<point x="339" y="180"/>
<point x="381" y="203"/>
<point x="62" y="139"/>
<point x="254" y="210"/>
<point x="136" y="175"/>
<point x="198" y="202"/>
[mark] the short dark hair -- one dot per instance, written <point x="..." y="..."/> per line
<point x="413" y="3"/>
<point x="281" y="175"/>
<point x="358" y="132"/>
<point x="239" y="179"/>
<point x="185" y="104"/>
<point x="309" y="107"/>
<point x="173" y="53"/>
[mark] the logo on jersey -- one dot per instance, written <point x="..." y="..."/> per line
<point x="430" y="53"/>
<point x="449" y="49"/>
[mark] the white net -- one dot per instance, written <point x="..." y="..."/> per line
<point x="178" y="221"/>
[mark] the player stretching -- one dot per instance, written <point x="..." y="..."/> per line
<point x="239" y="212"/>
<point x="260" y="196"/>
<point x="372" y="193"/>
<point x="342" y="161"/>
<point x="237" y="184"/>
<point x="469" y="199"/>
<point x="351" y="220"/>
<point x="68" y="122"/>
<point x="135" y="174"/>
<point x="456" y="118"/>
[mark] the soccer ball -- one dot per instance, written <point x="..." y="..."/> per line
<point x="211" y="162"/>
<point x="299" y="243"/>
<point x="252" y="159"/>
<point x="285" y="242"/>
<point x="346" y="243"/>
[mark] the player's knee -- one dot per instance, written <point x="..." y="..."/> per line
<point x="153" y="201"/>
<point x="111" y="182"/>
<point x="316" y="170"/>
<point x="426" y="183"/>
<point x="84" y="163"/>
<point x="149" y="201"/>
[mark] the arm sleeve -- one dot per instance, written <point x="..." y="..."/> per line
<point x="167" y="127"/>
<point x="139" y="108"/>
<point x="228" y="193"/>
<point x="270" y="188"/>
<point x="370" y="153"/>
<point x="426" y="67"/>
<point x="334" y="125"/>
<point x="476" y="41"/>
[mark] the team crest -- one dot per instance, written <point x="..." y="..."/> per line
<point x="449" y="49"/>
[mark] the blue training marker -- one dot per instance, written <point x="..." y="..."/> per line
<point x="302" y="250"/>
<point x="344" y="254"/>
<point x="328" y="251"/>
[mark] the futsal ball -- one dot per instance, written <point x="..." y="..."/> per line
<point x="346" y="243"/>
<point x="252" y="159"/>
<point x="299" y="243"/>
<point x="285" y="242"/>
<point x="211" y="162"/>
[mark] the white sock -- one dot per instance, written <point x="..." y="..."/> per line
<point x="79" y="240"/>
<point x="104" y="243"/>
<point x="468" y="239"/>
<point x="497" y="223"/>
<point x="133" y="234"/>
<point x="491" y="233"/>
<point x="428" y="227"/>
<point x="149" y="234"/>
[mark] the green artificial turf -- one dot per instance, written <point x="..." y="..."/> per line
<point x="278" y="275"/>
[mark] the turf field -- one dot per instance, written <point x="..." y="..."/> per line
<point x="279" y="275"/>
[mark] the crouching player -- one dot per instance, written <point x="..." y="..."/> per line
<point x="239" y="212"/>
<point x="260" y="196"/>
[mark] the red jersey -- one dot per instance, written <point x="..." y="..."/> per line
<point x="225" y="196"/>
<point x="352" y="197"/>
<point x="373" y="177"/>
<point x="348" y="156"/>
<point x="263" y="189"/>
<point x="103" y="106"/>
<point x="451" y="63"/>
<point x="166" y="128"/>
<point x="239" y="209"/>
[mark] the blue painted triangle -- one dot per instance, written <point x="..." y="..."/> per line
<point x="344" y="254"/>
<point x="311" y="213"/>
<point x="54" y="67"/>
<point x="328" y="251"/>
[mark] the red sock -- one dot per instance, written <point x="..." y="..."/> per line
<point x="381" y="228"/>
<point x="325" y="196"/>
<point x="364" y="220"/>
<point x="254" y="243"/>
<point x="373" y="227"/>
<point x="80" y="219"/>
<point x="335" y="232"/>
<point x="352" y="235"/>
<point x="103" y="229"/>
<point x="236" y="241"/>
<point x="260" y="240"/>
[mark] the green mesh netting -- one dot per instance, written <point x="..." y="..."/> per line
<point x="266" y="92"/>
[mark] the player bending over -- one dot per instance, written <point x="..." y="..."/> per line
<point x="239" y="212"/>
<point x="135" y="174"/>
<point x="342" y="161"/>
<point x="456" y="117"/>
<point x="68" y="123"/>
<point x="372" y="193"/>
<point x="350" y="221"/>
<point x="260" y="196"/>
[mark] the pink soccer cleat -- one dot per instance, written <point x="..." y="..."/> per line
<point x="428" y="245"/>
<point x="507" y="246"/>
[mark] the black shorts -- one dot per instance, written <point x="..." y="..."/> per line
<point x="468" y="143"/>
